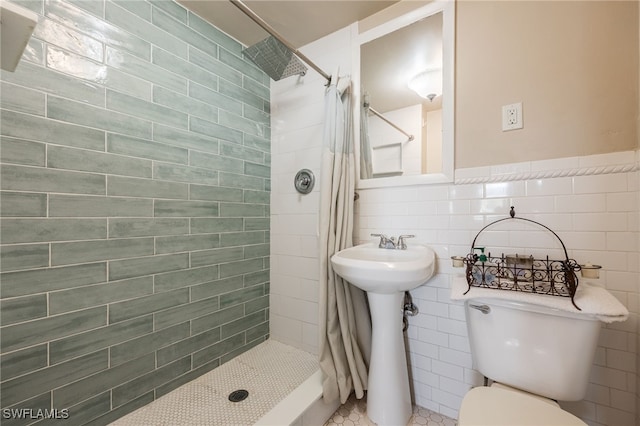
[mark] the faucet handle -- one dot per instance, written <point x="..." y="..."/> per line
<point x="383" y="240"/>
<point x="401" y="244"/>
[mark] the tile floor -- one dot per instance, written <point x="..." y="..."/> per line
<point x="353" y="413"/>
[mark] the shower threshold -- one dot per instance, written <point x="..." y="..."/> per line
<point x="282" y="382"/>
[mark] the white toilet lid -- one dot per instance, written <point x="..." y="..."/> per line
<point x="491" y="406"/>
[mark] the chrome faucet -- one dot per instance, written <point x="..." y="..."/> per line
<point x="390" y="243"/>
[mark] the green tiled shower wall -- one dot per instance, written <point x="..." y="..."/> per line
<point x="135" y="202"/>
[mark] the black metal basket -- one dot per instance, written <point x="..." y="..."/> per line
<point x="526" y="274"/>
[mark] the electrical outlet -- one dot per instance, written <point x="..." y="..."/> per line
<point x="512" y="117"/>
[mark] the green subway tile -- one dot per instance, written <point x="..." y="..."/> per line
<point x="235" y="60"/>
<point x="147" y="344"/>
<point x="88" y="409"/>
<point x="256" y="224"/>
<point x="23" y="387"/>
<point x="186" y="378"/>
<point x="180" y="314"/>
<point x="242" y="349"/>
<point x="39" y="402"/>
<point x="100" y="294"/>
<point x="259" y="170"/>
<point x="18" y="98"/>
<point x="187" y="346"/>
<point x="97" y="339"/>
<point x="214" y="288"/>
<point x="261" y="144"/>
<point x="260" y="330"/>
<point x="217" y="350"/>
<point x="136" y="267"/>
<point x="184" y="139"/>
<point x="179" y="208"/>
<point x="34" y="5"/>
<point x="216" y="162"/>
<point x="123" y="409"/>
<point x="212" y="33"/>
<point x="212" y="97"/>
<point x="180" y="279"/>
<point x="255" y="87"/>
<point x="42" y="330"/>
<point x="178" y="173"/>
<point x="143" y="69"/>
<point x="18" y="178"/>
<point x="97" y="162"/>
<point x="212" y="225"/>
<point x="34" y="52"/>
<point x="120" y="144"/>
<point x="94" y="7"/>
<point x="23" y="256"/>
<point x="143" y="29"/>
<point x="22" y="204"/>
<point x="69" y="39"/>
<point x="183" y="32"/>
<point x="91" y="251"/>
<point x="241" y="296"/>
<point x="240" y="181"/>
<point x="259" y="250"/>
<point x="55" y="83"/>
<point x="18" y="151"/>
<point x="69" y="15"/>
<point x="102" y="381"/>
<point x="186" y="243"/>
<point x="267" y="184"/>
<point x="22" y="283"/>
<point x="24" y="126"/>
<point x="184" y="104"/>
<point x="257" y="197"/>
<point x="211" y="64"/>
<point x="254" y="278"/>
<point x="145" y="110"/>
<point x="242" y="324"/>
<point x="237" y="151"/>
<point x="215" y="130"/>
<point x="122" y="228"/>
<point x="146" y="188"/>
<point x="214" y="193"/>
<point x="75" y="112"/>
<point x="173" y="9"/>
<point x="257" y="304"/>
<point x="139" y="8"/>
<point x="21" y="362"/>
<point x="167" y="61"/>
<point x="246" y="125"/>
<point x="245" y="96"/>
<point x="41" y="230"/>
<point x="215" y="256"/>
<point x="19" y="309"/>
<point x="99" y="73"/>
<point x="98" y="206"/>
<point x="216" y="319"/>
<point x="139" y="386"/>
<point x="128" y="309"/>
<point x="242" y="210"/>
<point x="241" y="238"/>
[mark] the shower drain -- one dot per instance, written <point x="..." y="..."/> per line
<point x="238" y="395"/>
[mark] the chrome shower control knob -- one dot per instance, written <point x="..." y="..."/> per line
<point x="304" y="181"/>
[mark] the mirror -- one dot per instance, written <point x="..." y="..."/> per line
<point x="406" y="138"/>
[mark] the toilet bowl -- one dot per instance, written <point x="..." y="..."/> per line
<point x="497" y="405"/>
<point x="534" y="355"/>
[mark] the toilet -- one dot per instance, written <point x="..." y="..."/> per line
<point x="534" y="355"/>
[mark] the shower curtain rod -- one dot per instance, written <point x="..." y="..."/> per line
<point x="268" y="28"/>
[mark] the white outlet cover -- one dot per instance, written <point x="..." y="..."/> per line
<point x="512" y="117"/>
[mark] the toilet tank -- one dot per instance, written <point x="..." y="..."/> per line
<point x="545" y="351"/>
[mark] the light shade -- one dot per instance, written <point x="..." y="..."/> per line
<point x="427" y="84"/>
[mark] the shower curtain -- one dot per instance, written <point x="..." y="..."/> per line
<point x="345" y="325"/>
<point x="366" y="162"/>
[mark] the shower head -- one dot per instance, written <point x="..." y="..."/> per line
<point x="275" y="59"/>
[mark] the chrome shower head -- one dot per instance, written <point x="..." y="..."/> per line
<point x="275" y="59"/>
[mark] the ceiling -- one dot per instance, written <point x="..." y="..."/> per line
<point x="298" y="21"/>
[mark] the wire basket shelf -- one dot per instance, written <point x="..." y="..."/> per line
<point x="517" y="273"/>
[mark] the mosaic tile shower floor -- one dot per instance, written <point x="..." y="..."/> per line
<point x="353" y="413"/>
<point x="270" y="371"/>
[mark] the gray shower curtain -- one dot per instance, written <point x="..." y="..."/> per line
<point x="345" y="326"/>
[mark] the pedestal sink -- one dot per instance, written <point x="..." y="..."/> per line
<point x="385" y="274"/>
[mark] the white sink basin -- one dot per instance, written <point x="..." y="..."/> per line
<point x="385" y="270"/>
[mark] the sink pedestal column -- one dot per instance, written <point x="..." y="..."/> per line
<point x="388" y="395"/>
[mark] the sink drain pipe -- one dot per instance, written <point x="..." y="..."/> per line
<point x="409" y="309"/>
